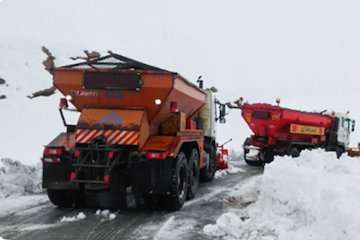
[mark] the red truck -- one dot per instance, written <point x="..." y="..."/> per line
<point x="282" y="131"/>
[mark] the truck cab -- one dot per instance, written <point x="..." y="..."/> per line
<point x="345" y="127"/>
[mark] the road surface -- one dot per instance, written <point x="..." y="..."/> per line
<point x="42" y="221"/>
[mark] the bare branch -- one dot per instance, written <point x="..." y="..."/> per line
<point x="89" y="56"/>
<point x="49" y="61"/>
<point x="45" y="93"/>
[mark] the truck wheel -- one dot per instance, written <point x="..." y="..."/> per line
<point x="247" y="142"/>
<point x="179" y="184"/>
<point x="118" y="192"/>
<point x="194" y="174"/>
<point x="252" y="163"/>
<point x="207" y="173"/>
<point x="339" y="151"/>
<point x="294" y="152"/>
<point x="255" y="163"/>
<point x="61" y="198"/>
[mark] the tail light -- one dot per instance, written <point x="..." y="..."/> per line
<point x="51" y="159"/>
<point x="63" y="103"/>
<point x="52" y="155"/>
<point x="174" y="107"/>
<point x="72" y="176"/>
<point x="107" y="179"/>
<point x="157" y="155"/>
<point x="77" y="153"/>
<point x="110" y="155"/>
<point x="53" y="151"/>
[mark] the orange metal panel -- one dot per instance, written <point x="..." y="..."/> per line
<point x="66" y="140"/>
<point x="144" y="131"/>
<point x="111" y="119"/>
<point x="165" y="86"/>
<point x="173" y="143"/>
<point x="306" y="130"/>
<point x="189" y="100"/>
<point x="156" y="86"/>
<point x="161" y="143"/>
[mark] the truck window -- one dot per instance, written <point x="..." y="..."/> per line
<point x="112" y="80"/>
<point x="261" y="115"/>
<point x="346" y="123"/>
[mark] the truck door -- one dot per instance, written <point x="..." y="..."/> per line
<point x="344" y="132"/>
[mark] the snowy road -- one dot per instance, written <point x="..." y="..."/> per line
<point x="43" y="221"/>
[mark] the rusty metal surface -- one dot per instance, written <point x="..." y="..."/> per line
<point x="66" y="140"/>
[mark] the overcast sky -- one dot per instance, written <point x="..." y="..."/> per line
<point x="305" y="52"/>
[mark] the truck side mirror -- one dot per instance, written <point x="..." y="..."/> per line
<point x="222" y="113"/>
<point x="353" y="126"/>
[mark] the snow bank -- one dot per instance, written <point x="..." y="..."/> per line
<point x="18" y="179"/>
<point x="18" y="185"/>
<point x="106" y="214"/>
<point x="230" y="170"/>
<point x="21" y="203"/>
<point x="315" y="197"/>
<point x="78" y="217"/>
<point x="174" y="228"/>
<point x="25" y="128"/>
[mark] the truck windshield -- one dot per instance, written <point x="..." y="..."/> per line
<point x="346" y="123"/>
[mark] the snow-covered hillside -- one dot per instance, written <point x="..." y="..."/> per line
<point x="314" y="197"/>
<point x="26" y="125"/>
<point x="238" y="46"/>
<point x="17" y="179"/>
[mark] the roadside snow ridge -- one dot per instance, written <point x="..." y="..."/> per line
<point x="315" y="196"/>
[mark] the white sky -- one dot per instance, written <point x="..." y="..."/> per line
<point x="305" y="52"/>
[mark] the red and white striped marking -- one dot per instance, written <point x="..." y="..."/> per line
<point x="121" y="137"/>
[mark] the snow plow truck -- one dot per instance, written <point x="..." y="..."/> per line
<point x="141" y="129"/>
<point x="282" y="131"/>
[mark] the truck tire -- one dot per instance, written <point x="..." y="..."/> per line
<point x="247" y="142"/>
<point x="267" y="156"/>
<point x="252" y="163"/>
<point x="61" y="198"/>
<point x="339" y="151"/>
<point x="294" y="152"/>
<point x="194" y="174"/>
<point x="208" y="172"/>
<point x="118" y="192"/>
<point x="179" y="184"/>
<point x="255" y="163"/>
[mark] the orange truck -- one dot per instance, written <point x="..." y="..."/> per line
<point x="141" y="129"/>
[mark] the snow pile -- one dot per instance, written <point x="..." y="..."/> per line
<point x="236" y="155"/>
<point x="106" y="214"/>
<point x="25" y="129"/>
<point x="21" y="204"/>
<point x="315" y="196"/>
<point x="230" y="170"/>
<point x="18" y="179"/>
<point x="78" y="217"/>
